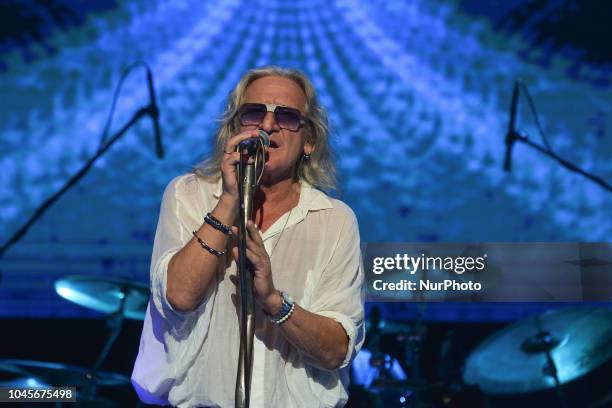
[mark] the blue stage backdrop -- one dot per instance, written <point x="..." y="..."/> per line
<point x="418" y="94"/>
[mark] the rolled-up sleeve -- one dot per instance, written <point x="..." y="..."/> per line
<point x="176" y="221"/>
<point x="164" y="355"/>
<point x="339" y="292"/>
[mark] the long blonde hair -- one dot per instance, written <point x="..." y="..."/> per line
<point x="319" y="170"/>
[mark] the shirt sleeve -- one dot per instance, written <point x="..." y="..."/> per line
<point x="171" y="339"/>
<point x="340" y="292"/>
<point x="178" y="218"/>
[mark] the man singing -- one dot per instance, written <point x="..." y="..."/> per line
<point x="304" y="248"/>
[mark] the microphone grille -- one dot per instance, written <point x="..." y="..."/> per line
<point x="265" y="138"/>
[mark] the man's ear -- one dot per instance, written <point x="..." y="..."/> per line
<point x="308" y="148"/>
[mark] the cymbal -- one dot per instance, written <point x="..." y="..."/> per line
<point x="514" y="361"/>
<point x="105" y="294"/>
<point x="58" y="375"/>
<point x="11" y="376"/>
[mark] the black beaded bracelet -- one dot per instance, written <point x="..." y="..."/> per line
<point x="216" y="224"/>
<point x="206" y="247"/>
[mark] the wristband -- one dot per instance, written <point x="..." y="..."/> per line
<point x="216" y="224"/>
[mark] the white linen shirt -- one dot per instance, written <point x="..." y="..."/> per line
<point x="191" y="359"/>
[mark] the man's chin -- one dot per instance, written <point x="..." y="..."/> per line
<point x="274" y="173"/>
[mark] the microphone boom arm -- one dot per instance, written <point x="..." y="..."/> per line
<point x="142" y="112"/>
<point x="514" y="135"/>
<point x="568" y="165"/>
<point x="150" y="110"/>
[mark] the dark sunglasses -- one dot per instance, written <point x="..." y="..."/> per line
<point x="252" y="114"/>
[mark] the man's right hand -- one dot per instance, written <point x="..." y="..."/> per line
<point x="228" y="164"/>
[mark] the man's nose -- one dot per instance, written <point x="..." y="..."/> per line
<point x="269" y="123"/>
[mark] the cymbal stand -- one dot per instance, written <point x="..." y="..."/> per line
<point x="115" y="323"/>
<point x="547" y="342"/>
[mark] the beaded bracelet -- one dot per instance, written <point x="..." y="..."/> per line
<point x="206" y="247"/>
<point x="216" y="224"/>
<point x="287" y="308"/>
<point x="285" y="317"/>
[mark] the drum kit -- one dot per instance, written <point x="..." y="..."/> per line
<point x="119" y="299"/>
<point x="561" y="358"/>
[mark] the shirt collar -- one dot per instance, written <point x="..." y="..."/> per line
<point x="311" y="199"/>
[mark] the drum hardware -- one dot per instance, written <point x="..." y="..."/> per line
<point x="120" y="299"/>
<point x="555" y="351"/>
<point x="39" y="374"/>
<point x="386" y="390"/>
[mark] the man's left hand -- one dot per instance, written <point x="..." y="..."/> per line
<point x="263" y="287"/>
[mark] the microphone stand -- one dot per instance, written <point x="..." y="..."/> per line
<point x="149" y="110"/>
<point x="247" y="184"/>
<point x="514" y="136"/>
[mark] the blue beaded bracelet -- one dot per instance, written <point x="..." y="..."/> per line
<point x="286" y="309"/>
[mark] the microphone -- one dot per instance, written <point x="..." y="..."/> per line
<point x="251" y="144"/>
<point x="154" y="112"/>
<point x="511" y="135"/>
<point x="265" y="138"/>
